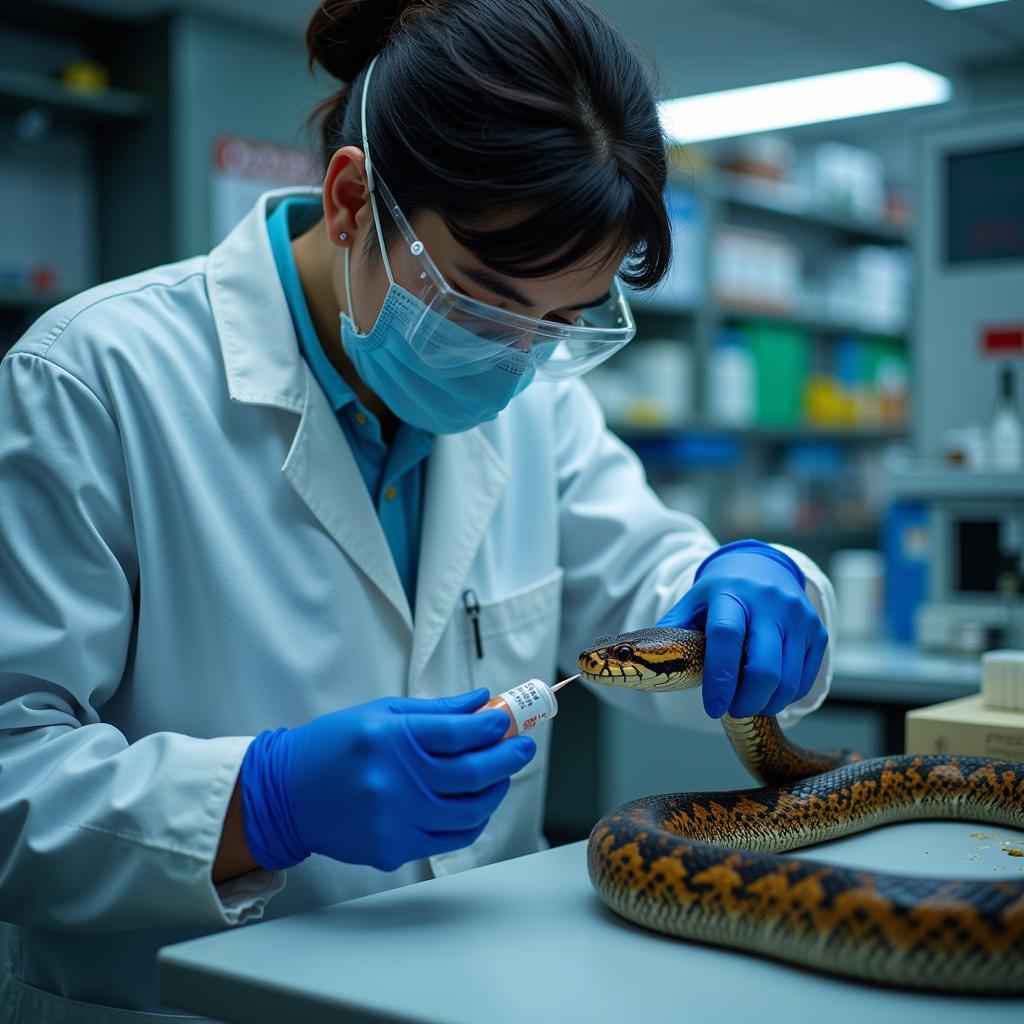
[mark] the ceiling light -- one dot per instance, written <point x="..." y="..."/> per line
<point x="956" y="5"/>
<point x="831" y="97"/>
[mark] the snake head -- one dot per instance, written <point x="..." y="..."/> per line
<point x="646" y="659"/>
<point x="611" y="661"/>
<point x="614" y="660"/>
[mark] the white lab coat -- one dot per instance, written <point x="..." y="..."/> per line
<point x="188" y="555"/>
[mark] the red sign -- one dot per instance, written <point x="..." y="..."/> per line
<point x="270" y="164"/>
<point x="1003" y="340"/>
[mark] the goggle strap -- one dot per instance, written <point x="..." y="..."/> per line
<point x="380" y="238"/>
<point x="370" y="185"/>
<point x="362" y="124"/>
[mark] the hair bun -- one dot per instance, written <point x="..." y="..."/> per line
<point x="344" y="35"/>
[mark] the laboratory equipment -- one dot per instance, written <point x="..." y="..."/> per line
<point x="969" y="262"/>
<point x="975" y="557"/>
<point x="976" y="576"/>
<point x="969" y="324"/>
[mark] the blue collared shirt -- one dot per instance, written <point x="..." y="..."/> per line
<point x="394" y="474"/>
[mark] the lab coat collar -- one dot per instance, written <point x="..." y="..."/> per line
<point x="465" y="475"/>
<point x="264" y="366"/>
<point x="257" y="338"/>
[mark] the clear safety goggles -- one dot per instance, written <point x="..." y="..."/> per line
<point x="455" y="333"/>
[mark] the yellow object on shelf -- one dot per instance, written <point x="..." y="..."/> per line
<point x="85" y="76"/>
<point x="644" y="412"/>
<point x="826" y="404"/>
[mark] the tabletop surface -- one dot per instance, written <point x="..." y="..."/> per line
<point x="528" y="939"/>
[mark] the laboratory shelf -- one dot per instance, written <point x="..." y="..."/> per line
<point x="660" y="305"/>
<point x="20" y="89"/>
<point x="824" y="326"/>
<point x="956" y="483"/>
<point x="764" y="435"/>
<point x="862" y="535"/>
<point x="790" y="201"/>
<point x="815" y="324"/>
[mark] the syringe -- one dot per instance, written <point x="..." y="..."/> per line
<point x="527" y="705"/>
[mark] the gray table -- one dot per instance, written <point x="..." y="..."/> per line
<point x="528" y="940"/>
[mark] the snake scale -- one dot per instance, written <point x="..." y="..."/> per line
<point x="712" y="866"/>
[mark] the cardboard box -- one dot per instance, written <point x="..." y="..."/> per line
<point x="966" y="726"/>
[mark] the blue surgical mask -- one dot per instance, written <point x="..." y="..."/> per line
<point x="441" y="401"/>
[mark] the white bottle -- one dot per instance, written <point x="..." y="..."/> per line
<point x="732" y="385"/>
<point x="1006" y="433"/>
<point x="527" y="706"/>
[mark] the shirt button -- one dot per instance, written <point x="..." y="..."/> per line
<point x="361" y="419"/>
<point x="390" y="493"/>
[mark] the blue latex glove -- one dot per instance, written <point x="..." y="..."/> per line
<point x="765" y="641"/>
<point x="381" y="783"/>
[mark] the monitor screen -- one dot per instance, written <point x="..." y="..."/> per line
<point x="985" y="205"/>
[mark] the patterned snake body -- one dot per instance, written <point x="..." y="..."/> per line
<point x="711" y="866"/>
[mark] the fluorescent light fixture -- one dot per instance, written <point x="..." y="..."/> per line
<point x="956" y="5"/>
<point x="831" y="97"/>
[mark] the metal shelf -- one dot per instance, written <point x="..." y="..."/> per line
<point x="794" y="537"/>
<point x="761" y="434"/>
<point x="788" y="201"/>
<point x="817" y="325"/>
<point x="957" y="483"/>
<point x="641" y="302"/>
<point x="20" y="89"/>
<point x="814" y="324"/>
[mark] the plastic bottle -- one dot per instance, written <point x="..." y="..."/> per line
<point x="1006" y="433"/>
<point x="527" y="705"/>
<point x="731" y="379"/>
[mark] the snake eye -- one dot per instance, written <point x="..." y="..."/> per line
<point x="623" y="653"/>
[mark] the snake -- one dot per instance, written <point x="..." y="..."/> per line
<point x="712" y="867"/>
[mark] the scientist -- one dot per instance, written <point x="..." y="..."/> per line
<point x="273" y="520"/>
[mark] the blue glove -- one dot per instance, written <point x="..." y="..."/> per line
<point x="381" y="783"/>
<point x="765" y="641"/>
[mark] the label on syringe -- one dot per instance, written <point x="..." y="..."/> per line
<point x="530" y="703"/>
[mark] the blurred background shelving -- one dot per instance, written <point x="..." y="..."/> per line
<point x="135" y="134"/>
<point x="771" y="373"/>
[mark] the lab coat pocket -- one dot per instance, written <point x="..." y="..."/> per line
<point x="517" y="633"/>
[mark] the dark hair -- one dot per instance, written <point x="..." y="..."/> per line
<point x="479" y="107"/>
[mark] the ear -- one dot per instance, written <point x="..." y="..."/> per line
<point x="345" y="194"/>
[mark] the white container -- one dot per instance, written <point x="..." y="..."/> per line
<point x="662" y="379"/>
<point x="527" y="705"/>
<point x="858" y="577"/>
<point x="731" y="384"/>
<point x="1002" y="679"/>
<point x="1006" y="433"/>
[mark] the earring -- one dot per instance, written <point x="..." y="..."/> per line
<point x="344" y="236"/>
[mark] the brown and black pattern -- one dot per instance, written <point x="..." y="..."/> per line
<point x="712" y="867"/>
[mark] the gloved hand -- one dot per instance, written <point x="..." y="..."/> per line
<point x="765" y="641"/>
<point x="382" y="783"/>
